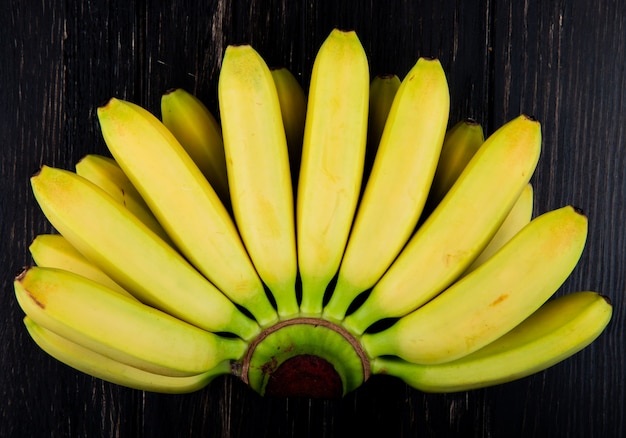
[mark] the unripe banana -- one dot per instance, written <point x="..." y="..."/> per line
<point x="459" y="228"/>
<point x="293" y="110"/>
<point x="333" y="153"/>
<point x="117" y="242"/>
<point x="89" y="314"/>
<point x="491" y="300"/>
<point x="54" y="251"/>
<point x="383" y="89"/>
<point x="106" y="174"/>
<point x="258" y="171"/>
<point x="199" y="133"/>
<point x="559" y="329"/>
<point x="398" y="185"/>
<point x="105" y="368"/>
<point x="184" y="203"/>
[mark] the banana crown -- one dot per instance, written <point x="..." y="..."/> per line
<point x="306" y="240"/>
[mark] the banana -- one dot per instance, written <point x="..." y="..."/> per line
<point x="105" y="368"/>
<point x="293" y="110"/>
<point x="459" y="146"/>
<point x="258" y="171"/>
<point x="106" y="174"/>
<point x="519" y="216"/>
<point x="398" y="185"/>
<point x="199" y="133"/>
<point x="459" y="228"/>
<point x="559" y="329"/>
<point x="87" y="313"/>
<point x="491" y="300"/>
<point x="117" y="242"/>
<point x="184" y="203"/>
<point x="54" y="251"/>
<point x="333" y="155"/>
<point x="383" y="89"/>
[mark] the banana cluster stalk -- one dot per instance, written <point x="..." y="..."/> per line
<point x="306" y="240"/>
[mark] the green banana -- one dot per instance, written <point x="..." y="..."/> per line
<point x="491" y="300"/>
<point x="459" y="228"/>
<point x="184" y="203"/>
<point x="398" y="185"/>
<point x="87" y="313"/>
<point x="333" y="155"/>
<point x="105" y="368"/>
<point x="54" y="251"/>
<point x="199" y="134"/>
<point x="293" y="111"/>
<point x="258" y="171"/>
<point x="132" y="255"/>
<point x="106" y="174"/>
<point x="557" y="330"/>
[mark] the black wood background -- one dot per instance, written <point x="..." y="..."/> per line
<point x="562" y="61"/>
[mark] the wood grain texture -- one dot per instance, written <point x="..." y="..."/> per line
<point x="560" y="61"/>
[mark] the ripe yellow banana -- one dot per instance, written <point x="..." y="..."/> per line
<point x="491" y="300"/>
<point x="559" y="329"/>
<point x="184" y="203"/>
<point x="116" y="241"/>
<point x="459" y="228"/>
<point x="398" y="185"/>
<point x="87" y="313"/>
<point x="258" y="171"/>
<point x="105" y="368"/>
<point x="459" y="146"/>
<point x="333" y="154"/>
<point x="293" y="110"/>
<point x="54" y="251"/>
<point x="199" y="133"/>
<point x="519" y="216"/>
<point x="106" y="174"/>
<point x="383" y="89"/>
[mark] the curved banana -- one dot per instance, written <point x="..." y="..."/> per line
<point x="54" y="251"/>
<point x="184" y="203"/>
<point x="116" y="241"/>
<point x="199" y="133"/>
<point x="105" y="368"/>
<point x="258" y="171"/>
<point x="519" y="216"/>
<point x="383" y="89"/>
<point x="106" y="174"/>
<point x="459" y="228"/>
<point x="459" y="146"/>
<point x="398" y="185"/>
<point x="557" y="330"/>
<point x="87" y="313"/>
<point x="293" y="110"/>
<point x="491" y="300"/>
<point x="333" y="154"/>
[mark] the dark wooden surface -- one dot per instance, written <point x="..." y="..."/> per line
<point x="562" y="62"/>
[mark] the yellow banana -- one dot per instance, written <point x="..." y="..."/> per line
<point x="333" y="153"/>
<point x="199" y="133"/>
<point x="459" y="146"/>
<point x="518" y="218"/>
<point x="54" y="251"/>
<point x="184" y="203"/>
<point x="559" y="329"/>
<point x="491" y="300"/>
<point x="398" y="185"/>
<point x="106" y="174"/>
<point x="258" y="171"/>
<point x="105" y="368"/>
<point x="383" y="89"/>
<point x="89" y="314"/>
<point x="116" y="241"/>
<point x="293" y="110"/>
<point x="459" y="228"/>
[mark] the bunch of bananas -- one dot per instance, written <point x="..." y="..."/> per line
<point x="266" y="247"/>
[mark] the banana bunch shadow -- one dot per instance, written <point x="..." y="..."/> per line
<point x="263" y="245"/>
